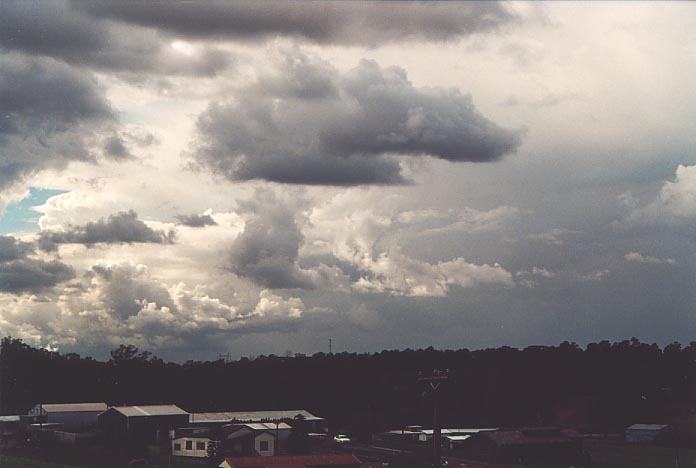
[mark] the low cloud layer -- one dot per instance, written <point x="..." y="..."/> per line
<point x="307" y="123"/>
<point x="123" y="227"/>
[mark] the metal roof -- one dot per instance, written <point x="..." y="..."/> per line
<point x="648" y="427"/>
<point x="12" y="418"/>
<point x="250" y="416"/>
<point x="72" y="407"/>
<point x="149" y="410"/>
<point x="455" y="438"/>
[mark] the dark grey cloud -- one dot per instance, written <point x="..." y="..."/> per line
<point x="21" y="273"/>
<point x="115" y="148"/>
<point x="56" y="29"/>
<point x="267" y="250"/>
<point x="49" y="115"/>
<point x="310" y="124"/>
<point x="348" y="23"/>
<point x="123" y="227"/>
<point x="196" y="220"/>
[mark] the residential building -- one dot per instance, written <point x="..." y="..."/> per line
<point x="188" y="442"/>
<point x="244" y="441"/>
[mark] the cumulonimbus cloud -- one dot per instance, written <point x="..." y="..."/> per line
<point x="310" y="124"/>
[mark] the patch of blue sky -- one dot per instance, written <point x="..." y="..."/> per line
<point x="20" y="217"/>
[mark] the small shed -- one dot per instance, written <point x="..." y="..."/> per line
<point x="647" y="433"/>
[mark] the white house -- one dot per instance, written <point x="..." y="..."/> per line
<point x="190" y="446"/>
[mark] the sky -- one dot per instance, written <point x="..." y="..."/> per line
<point x="197" y="178"/>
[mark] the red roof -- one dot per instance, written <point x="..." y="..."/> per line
<point x="296" y="461"/>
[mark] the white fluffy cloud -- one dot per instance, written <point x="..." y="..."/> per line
<point x="640" y="258"/>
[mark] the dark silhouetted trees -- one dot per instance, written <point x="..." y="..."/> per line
<point x="601" y="387"/>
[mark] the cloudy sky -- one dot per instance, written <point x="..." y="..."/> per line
<point x="257" y="177"/>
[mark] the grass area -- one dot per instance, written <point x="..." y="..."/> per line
<point x="611" y="454"/>
<point x="8" y="461"/>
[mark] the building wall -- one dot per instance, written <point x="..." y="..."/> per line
<point x="194" y="451"/>
<point x="78" y="420"/>
<point x="269" y="440"/>
<point x="638" y="436"/>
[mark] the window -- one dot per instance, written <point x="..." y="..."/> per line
<point x="263" y="446"/>
<point x="189" y="445"/>
<point x="177" y="447"/>
<point x="200" y="445"/>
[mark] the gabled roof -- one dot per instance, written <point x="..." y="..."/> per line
<point x="72" y="407"/>
<point x="297" y="461"/>
<point x="149" y="410"/>
<point x="250" y="416"/>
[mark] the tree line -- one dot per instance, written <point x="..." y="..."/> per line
<point x="603" y="387"/>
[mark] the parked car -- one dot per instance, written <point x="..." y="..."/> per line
<point x="342" y="439"/>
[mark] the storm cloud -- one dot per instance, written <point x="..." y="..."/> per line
<point x="369" y="23"/>
<point x="56" y="29"/>
<point x="123" y="227"/>
<point x="309" y="124"/>
<point x="21" y="273"/>
<point x="267" y="250"/>
<point x="51" y="113"/>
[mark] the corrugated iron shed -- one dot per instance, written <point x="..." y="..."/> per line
<point x="72" y="407"/>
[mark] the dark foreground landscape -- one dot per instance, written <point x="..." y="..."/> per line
<point x="597" y="391"/>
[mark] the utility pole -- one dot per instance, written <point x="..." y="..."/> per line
<point x="434" y="380"/>
<point x="330" y="350"/>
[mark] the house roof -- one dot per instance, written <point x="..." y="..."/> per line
<point x="541" y="436"/>
<point x="72" y="407"/>
<point x="149" y="410"/>
<point x="250" y="416"/>
<point x="297" y="461"/>
<point x="648" y="427"/>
